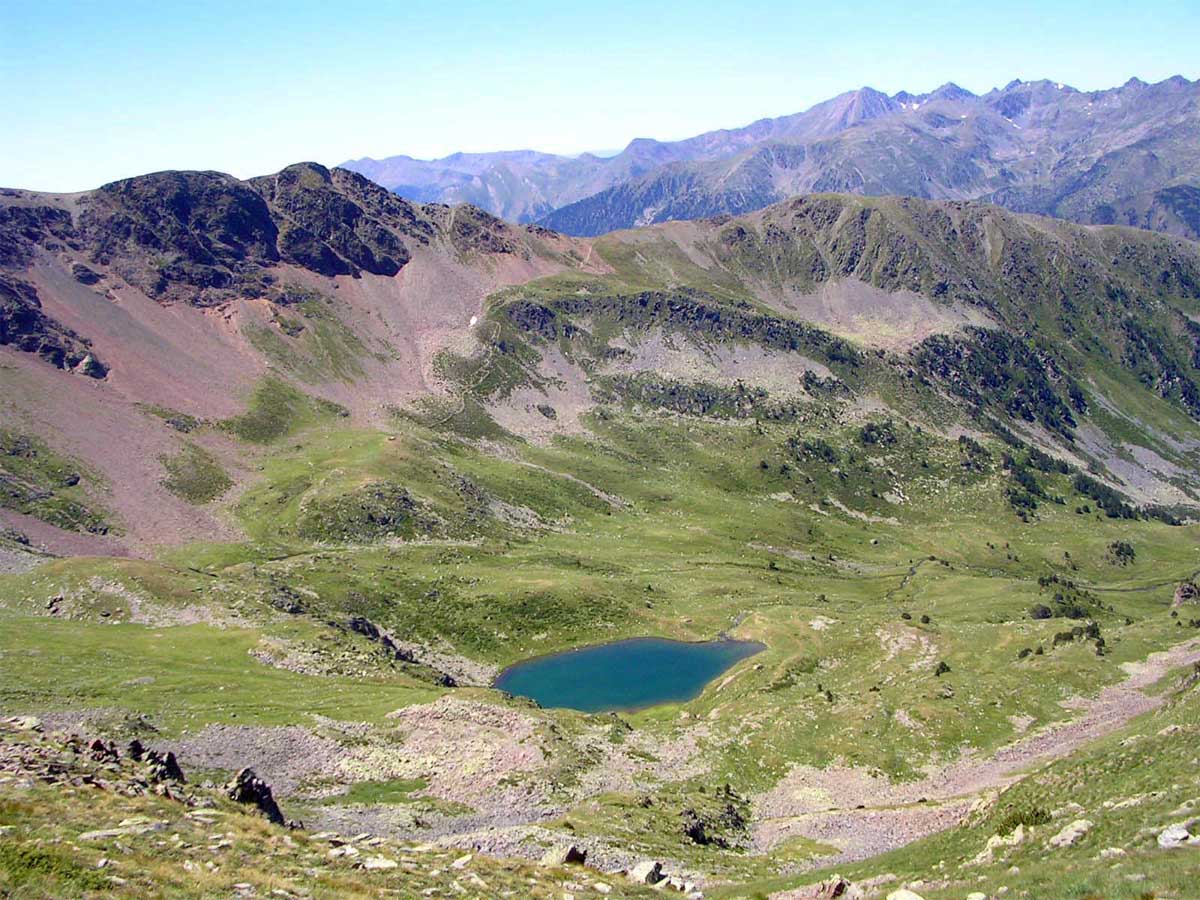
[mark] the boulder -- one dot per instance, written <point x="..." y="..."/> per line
<point x="247" y="787"/>
<point x="161" y="766"/>
<point x="1071" y="833"/>
<point x="904" y="894"/>
<point x="1178" y="835"/>
<point x="564" y="854"/>
<point x="99" y="750"/>
<point x="364" y="626"/>
<point x="999" y="842"/>
<point x="1187" y="592"/>
<point x="646" y="872"/>
<point x="83" y="274"/>
<point x="838" y="887"/>
<point x="695" y="828"/>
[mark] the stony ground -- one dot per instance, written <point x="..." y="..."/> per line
<point x="486" y="772"/>
<point x="87" y="818"/>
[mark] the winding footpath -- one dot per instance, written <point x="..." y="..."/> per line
<point x="864" y="815"/>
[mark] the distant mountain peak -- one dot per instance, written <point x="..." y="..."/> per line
<point x="951" y="91"/>
<point x="641" y="143"/>
<point x="852" y="107"/>
<point x="945" y="142"/>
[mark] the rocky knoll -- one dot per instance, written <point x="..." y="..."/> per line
<point x="205" y="237"/>
<point x="202" y="237"/>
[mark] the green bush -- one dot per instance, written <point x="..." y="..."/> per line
<point x="195" y="475"/>
<point x="1007" y="819"/>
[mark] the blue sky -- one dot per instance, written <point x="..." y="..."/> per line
<point x="103" y="90"/>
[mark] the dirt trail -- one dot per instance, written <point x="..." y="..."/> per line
<point x="864" y="815"/>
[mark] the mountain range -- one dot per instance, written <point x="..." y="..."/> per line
<point x="1128" y="155"/>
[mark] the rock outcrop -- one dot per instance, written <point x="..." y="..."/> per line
<point x="246" y="787"/>
<point x="203" y="238"/>
<point x="25" y="326"/>
<point x="562" y="855"/>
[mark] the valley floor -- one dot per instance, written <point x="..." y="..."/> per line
<point x="906" y="692"/>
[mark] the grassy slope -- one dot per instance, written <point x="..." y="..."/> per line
<point x="1130" y="785"/>
<point x="37" y="481"/>
<point x="688" y="555"/>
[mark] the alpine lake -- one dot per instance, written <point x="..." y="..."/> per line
<point x="624" y="675"/>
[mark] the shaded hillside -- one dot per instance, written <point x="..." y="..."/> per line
<point x="182" y="298"/>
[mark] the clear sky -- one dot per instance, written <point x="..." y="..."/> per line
<point x="94" y="91"/>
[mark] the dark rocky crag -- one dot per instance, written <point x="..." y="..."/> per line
<point x="203" y="238"/>
<point x="206" y="238"/>
<point x="23" y="325"/>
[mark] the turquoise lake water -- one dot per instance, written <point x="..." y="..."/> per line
<point x="624" y="675"/>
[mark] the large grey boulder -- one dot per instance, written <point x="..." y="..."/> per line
<point x="646" y="872"/>
<point x="1178" y="835"/>
<point x="1071" y="833"/>
<point x="564" y="854"/>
